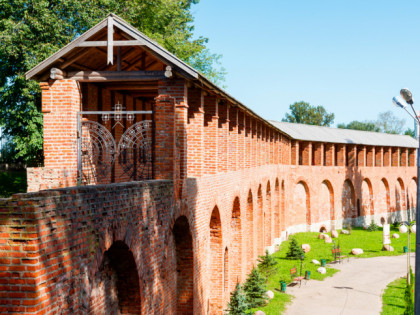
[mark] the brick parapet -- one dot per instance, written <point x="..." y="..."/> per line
<point x="53" y="242"/>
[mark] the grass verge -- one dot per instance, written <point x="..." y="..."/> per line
<point x="370" y="242"/>
<point x="393" y="298"/>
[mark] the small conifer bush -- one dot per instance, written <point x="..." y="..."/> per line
<point x="295" y="251"/>
<point x="373" y="226"/>
<point x="255" y="289"/>
<point x="267" y="264"/>
<point x="238" y="304"/>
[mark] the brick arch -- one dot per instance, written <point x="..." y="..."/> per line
<point x="399" y="195"/>
<point x="412" y="197"/>
<point x="301" y="204"/>
<point x="327" y="201"/>
<point x="226" y="271"/>
<point x="184" y="266"/>
<point x="260" y="222"/>
<point x="216" y="263"/>
<point x="367" y="198"/>
<point x="236" y="243"/>
<point x="283" y="206"/>
<point x="348" y="200"/>
<point x="383" y="197"/>
<point x="117" y="284"/>
<point x="267" y="216"/>
<point x="277" y="209"/>
<point x="250" y="232"/>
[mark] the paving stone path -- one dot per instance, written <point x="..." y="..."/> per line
<point x="355" y="289"/>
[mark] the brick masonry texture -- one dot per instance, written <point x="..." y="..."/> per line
<point x="227" y="186"/>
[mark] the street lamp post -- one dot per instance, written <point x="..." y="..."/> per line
<point x="408" y="98"/>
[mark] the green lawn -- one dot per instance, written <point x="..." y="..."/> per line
<point x="12" y="182"/>
<point x="393" y="298"/>
<point x="370" y="242"/>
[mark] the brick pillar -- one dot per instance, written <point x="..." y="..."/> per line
<point x="370" y="157"/>
<point x="404" y="156"/>
<point x="195" y="133"/>
<point x="395" y="157"/>
<point x="223" y="136"/>
<point x="177" y="89"/>
<point x="378" y="157"/>
<point x="241" y="140"/>
<point x="412" y="157"/>
<point x="361" y="156"/>
<point x="211" y="124"/>
<point x="164" y="164"/>
<point x="248" y="141"/>
<point x="310" y="153"/>
<point x="61" y="100"/>
<point x="258" y="143"/>
<point x="387" y="157"/>
<point x="341" y="154"/>
<point x="351" y="156"/>
<point x="253" y="142"/>
<point x="233" y="138"/>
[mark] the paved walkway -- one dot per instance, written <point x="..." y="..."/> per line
<point x="356" y="289"/>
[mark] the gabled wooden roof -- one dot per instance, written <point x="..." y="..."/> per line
<point x="96" y="38"/>
<point x="92" y="52"/>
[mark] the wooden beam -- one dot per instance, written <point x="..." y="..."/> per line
<point x="130" y="87"/>
<point x="75" y="58"/>
<point x="104" y="43"/>
<point x="100" y="76"/>
<point x="57" y="74"/>
<point x="110" y="42"/>
<point x="119" y="59"/>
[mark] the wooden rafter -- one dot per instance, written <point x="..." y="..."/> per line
<point x="100" y="76"/>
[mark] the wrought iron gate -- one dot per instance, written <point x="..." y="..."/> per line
<point x="114" y="146"/>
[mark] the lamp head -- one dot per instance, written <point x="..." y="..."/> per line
<point x="399" y="102"/>
<point x="407" y="96"/>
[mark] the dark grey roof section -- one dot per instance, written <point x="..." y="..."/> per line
<point x="337" y="135"/>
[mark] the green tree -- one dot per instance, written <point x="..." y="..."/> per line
<point x="295" y="251"/>
<point x="304" y="113"/>
<point x="389" y="123"/>
<point x="267" y="264"/>
<point x="255" y="289"/>
<point x="360" y="125"/>
<point x="237" y="304"/>
<point x="410" y="132"/>
<point x="30" y="31"/>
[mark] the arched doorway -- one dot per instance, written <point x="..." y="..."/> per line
<point x="326" y="205"/>
<point x="216" y="264"/>
<point x="250" y="235"/>
<point x="301" y="209"/>
<point x="236" y="244"/>
<point x="411" y="199"/>
<point x="399" y="195"/>
<point x="119" y="282"/>
<point x="348" y="201"/>
<point x="260" y="229"/>
<point x="267" y="217"/>
<point x="367" y="200"/>
<point x="383" y="202"/>
<point x="277" y="209"/>
<point x="184" y="266"/>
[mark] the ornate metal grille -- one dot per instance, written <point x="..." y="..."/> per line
<point x="114" y="146"/>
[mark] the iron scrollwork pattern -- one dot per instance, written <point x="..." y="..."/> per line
<point x="135" y="151"/>
<point x="98" y="152"/>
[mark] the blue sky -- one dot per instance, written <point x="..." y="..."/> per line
<point x="351" y="57"/>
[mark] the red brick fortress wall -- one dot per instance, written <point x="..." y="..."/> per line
<point x="92" y="249"/>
